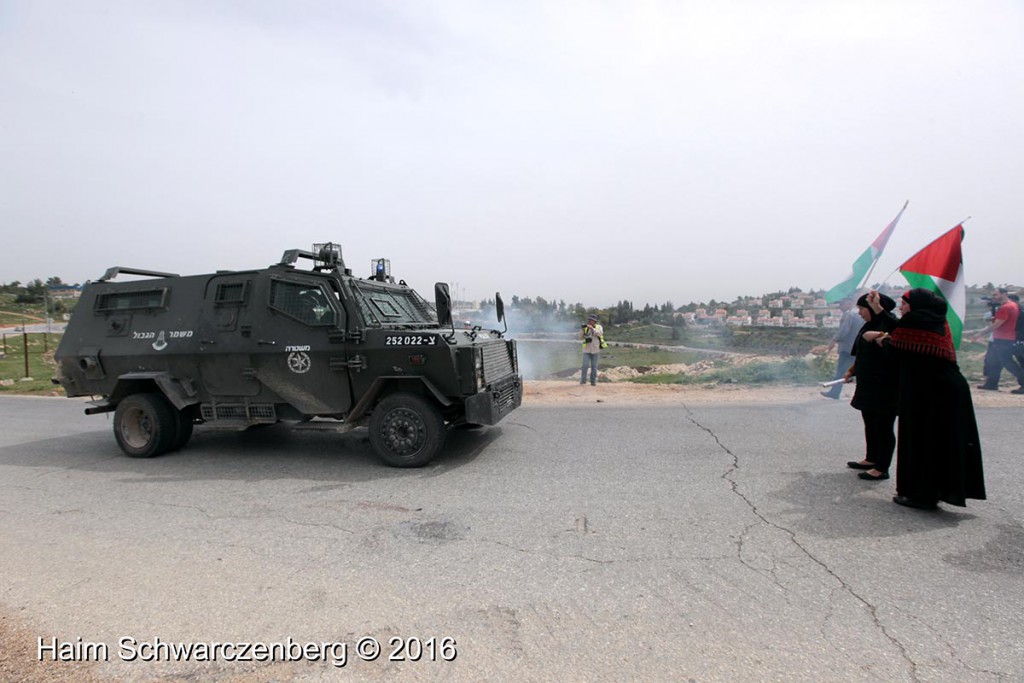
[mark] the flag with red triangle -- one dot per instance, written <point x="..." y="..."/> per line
<point x="940" y="268"/>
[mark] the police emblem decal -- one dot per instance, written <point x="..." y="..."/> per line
<point x="299" y="362"/>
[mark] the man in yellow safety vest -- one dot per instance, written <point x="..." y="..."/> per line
<point x="592" y="335"/>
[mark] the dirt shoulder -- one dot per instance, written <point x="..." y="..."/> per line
<point x="19" y="659"/>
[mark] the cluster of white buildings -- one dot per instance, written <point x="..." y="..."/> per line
<point x="781" y="312"/>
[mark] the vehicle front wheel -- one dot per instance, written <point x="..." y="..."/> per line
<point x="407" y="430"/>
<point x="145" y="425"/>
<point x="186" y="421"/>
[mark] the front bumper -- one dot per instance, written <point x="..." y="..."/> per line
<point x="495" y="402"/>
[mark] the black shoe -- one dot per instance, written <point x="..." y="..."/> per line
<point x="912" y="503"/>
<point x="870" y="477"/>
<point x="1018" y="390"/>
<point x="854" y="465"/>
<point x="988" y="387"/>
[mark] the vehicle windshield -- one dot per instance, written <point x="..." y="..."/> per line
<point x="387" y="306"/>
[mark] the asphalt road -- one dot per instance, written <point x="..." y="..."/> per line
<point x="601" y="543"/>
<point x="35" y="328"/>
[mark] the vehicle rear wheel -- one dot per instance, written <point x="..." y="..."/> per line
<point x="145" y="425"/>
<point x="407" y="430"/>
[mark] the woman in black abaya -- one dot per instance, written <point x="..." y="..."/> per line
<point x="938" y="455"/>
<point x="876" y="391"/>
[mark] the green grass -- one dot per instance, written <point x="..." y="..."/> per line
<point x="789" y="371"/>
<point x="643" y="334"/>
<point x="971" y="359"/>
<point x="756" y="340"/>
<point x="14" y="315"/>
<point x="41" y="365"/>
<point x="544" y="359"/>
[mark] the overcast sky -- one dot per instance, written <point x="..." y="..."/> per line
<point x="585" y="151"/>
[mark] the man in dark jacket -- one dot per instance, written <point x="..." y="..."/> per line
<point x="846" y="336"/>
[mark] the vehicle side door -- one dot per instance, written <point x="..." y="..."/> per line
<point x="225" y="362"/>
<point x="298" y="346"/>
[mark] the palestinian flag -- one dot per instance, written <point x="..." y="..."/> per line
<point x="940" y="268"/>
<point x="864" y="263"/>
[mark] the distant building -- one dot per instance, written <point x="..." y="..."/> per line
<point x="65" y="292"/>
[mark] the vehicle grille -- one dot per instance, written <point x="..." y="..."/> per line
<point x="249" y="412"/>
<point x="497" y="360"/>
<point x="506" y="398"/>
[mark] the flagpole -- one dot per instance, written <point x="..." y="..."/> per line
<point x="870" y="270"/>
<point x="875" y="262"/>
<point x="890" y="275"/>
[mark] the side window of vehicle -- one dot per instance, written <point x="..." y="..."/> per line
<point x="306" y="303"/>
<point x="231" y="293"/>
<point x="229" y="299"/>
<point x="138" y="300"/>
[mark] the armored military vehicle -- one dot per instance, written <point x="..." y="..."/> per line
<point x="318" y="347"/>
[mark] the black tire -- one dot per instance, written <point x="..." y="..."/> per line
<point x="407" y="430"/>
<point x="184" y="428"/>
<point x="145" y="425"/>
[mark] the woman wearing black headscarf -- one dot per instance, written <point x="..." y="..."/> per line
<point x="939" y="452"/>
<point x="875" y="393"/>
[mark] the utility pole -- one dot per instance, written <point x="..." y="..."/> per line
<point x="46" y="314"/>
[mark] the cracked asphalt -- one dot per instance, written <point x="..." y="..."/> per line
<point x="680" y="542"/>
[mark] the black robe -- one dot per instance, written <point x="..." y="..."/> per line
<point x="876" y="389"/>
<point x="938" y="453"/>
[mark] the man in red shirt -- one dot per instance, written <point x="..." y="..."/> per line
<point x="1000" y="349"/>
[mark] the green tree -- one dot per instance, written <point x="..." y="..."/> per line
<point x="32" y="293"/>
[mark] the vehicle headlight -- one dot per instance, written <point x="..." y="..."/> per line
<point x="479" y="369"/>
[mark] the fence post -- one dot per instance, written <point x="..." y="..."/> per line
<point x="25" y="335"/>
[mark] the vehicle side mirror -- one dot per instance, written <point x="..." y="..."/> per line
<point x="499" y="306"/>
<point x="443" y="304"/>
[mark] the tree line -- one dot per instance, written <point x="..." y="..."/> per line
<point x="622" y="312"/>
<point x="35" y="291"/>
